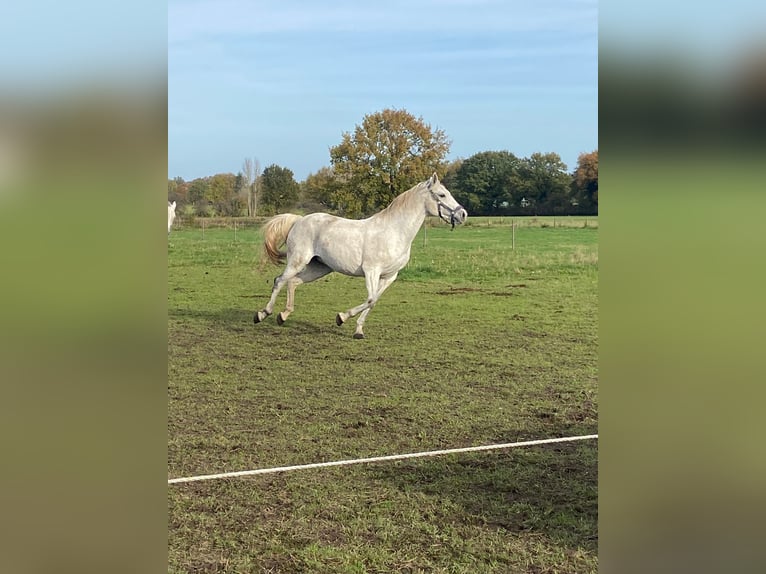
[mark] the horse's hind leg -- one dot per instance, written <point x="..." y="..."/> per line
<point x="269" y="309"/>
<point x="314" y="270"/>
<point x="292" y="269"/>
<point x="291" y="285"/>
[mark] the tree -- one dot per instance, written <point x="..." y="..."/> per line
<point x="321" y="188"/>
<point x="215" y="194"/>
<point x="256" y="186"/>
<point x="278" y="188"/>
<point x="222" y="187"/>
<point x="386" y="155"/>
<point x="178" y="191"/>
<point x="246" y="182"/>
<point x="198" y="194"/>
<point x="249" y="190"/>
<point x="222" y="195"/>
<point x="585" y="181"/>
<point x="449" y="175"/>
<point x="544" y="182"/>
<point x="484" y="183"/>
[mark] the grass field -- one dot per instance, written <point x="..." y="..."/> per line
<point x="475" y="343"/>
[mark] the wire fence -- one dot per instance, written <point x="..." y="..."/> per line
<point x="239" y="224"/>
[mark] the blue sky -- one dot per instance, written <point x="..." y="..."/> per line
<point x="282" y="80"/>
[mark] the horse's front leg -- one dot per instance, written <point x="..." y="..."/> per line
<point x="374" y="291"/>
<point x="383" y="284"/>
<point x="371" y="279"/>
<point x="363" y="308"/>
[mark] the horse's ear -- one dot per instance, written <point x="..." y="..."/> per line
<point x="173" y="205"/>
<point x="433" y="180"/>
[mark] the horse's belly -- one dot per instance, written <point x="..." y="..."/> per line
<point x="346" y="261"/>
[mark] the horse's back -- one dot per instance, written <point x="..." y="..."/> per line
<point x="331" y="226"/>
<point x="348" y="246"/>
<point x="336" y="241"/>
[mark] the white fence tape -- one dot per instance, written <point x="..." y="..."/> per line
<point x="378" y="459"/>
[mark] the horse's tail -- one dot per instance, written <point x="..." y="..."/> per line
<point x="275" y="232"/>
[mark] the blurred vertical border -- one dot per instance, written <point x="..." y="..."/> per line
<point x="83" y="164"/>
<point x="682" y="116"/>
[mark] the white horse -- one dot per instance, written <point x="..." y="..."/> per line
<point x="376" y="248"/>
<point x="171" y="214"/>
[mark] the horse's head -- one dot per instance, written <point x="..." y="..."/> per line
<point x="440" y="202"/>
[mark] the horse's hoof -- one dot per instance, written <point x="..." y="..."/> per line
<point x="280" y="319"/>
<point x="256" y="318"/>
<point x="339" y="320"/>
<point x="358" y="335"/>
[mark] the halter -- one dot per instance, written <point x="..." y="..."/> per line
<point x="440" y="205"/>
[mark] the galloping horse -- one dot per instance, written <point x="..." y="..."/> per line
<point x="376" y="248"/>
<point x="171" y="214"/>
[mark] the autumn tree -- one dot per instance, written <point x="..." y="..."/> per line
<point x="216" y="195"/>
<point x="585" y="181"/>
<point x="222" y="186"/>
<point x="320" y="189"/>
<point x="223" y="195"/>
<point x="387" y="154"/>
<point x="198" y="194"/>
<point x="178" y="191"/>
<point x="279" y="190"/>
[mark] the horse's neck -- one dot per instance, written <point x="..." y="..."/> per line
<point x="407" y="219"/>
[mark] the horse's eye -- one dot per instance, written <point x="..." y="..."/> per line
<point x="442" y="195"/>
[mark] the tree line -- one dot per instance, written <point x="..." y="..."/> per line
<point x="385" y="155"/>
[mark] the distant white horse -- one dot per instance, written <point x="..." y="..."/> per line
<point x="171" y="214"/>
<point x="376" y="248"/>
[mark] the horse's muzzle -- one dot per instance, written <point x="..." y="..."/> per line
<point x="453" y="216"/>
<point x="457" y="216"/>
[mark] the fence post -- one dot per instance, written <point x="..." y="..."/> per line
<point x="513" y="235"/>
<point x="235" y="230"/>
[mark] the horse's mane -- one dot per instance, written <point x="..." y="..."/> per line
<point x="402" y="201"/>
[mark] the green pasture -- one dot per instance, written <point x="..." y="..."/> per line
<point x="475" y="343"/>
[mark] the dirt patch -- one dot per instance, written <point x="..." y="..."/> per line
<point x="456" y="290"/>
<point x="533" y="334"/>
